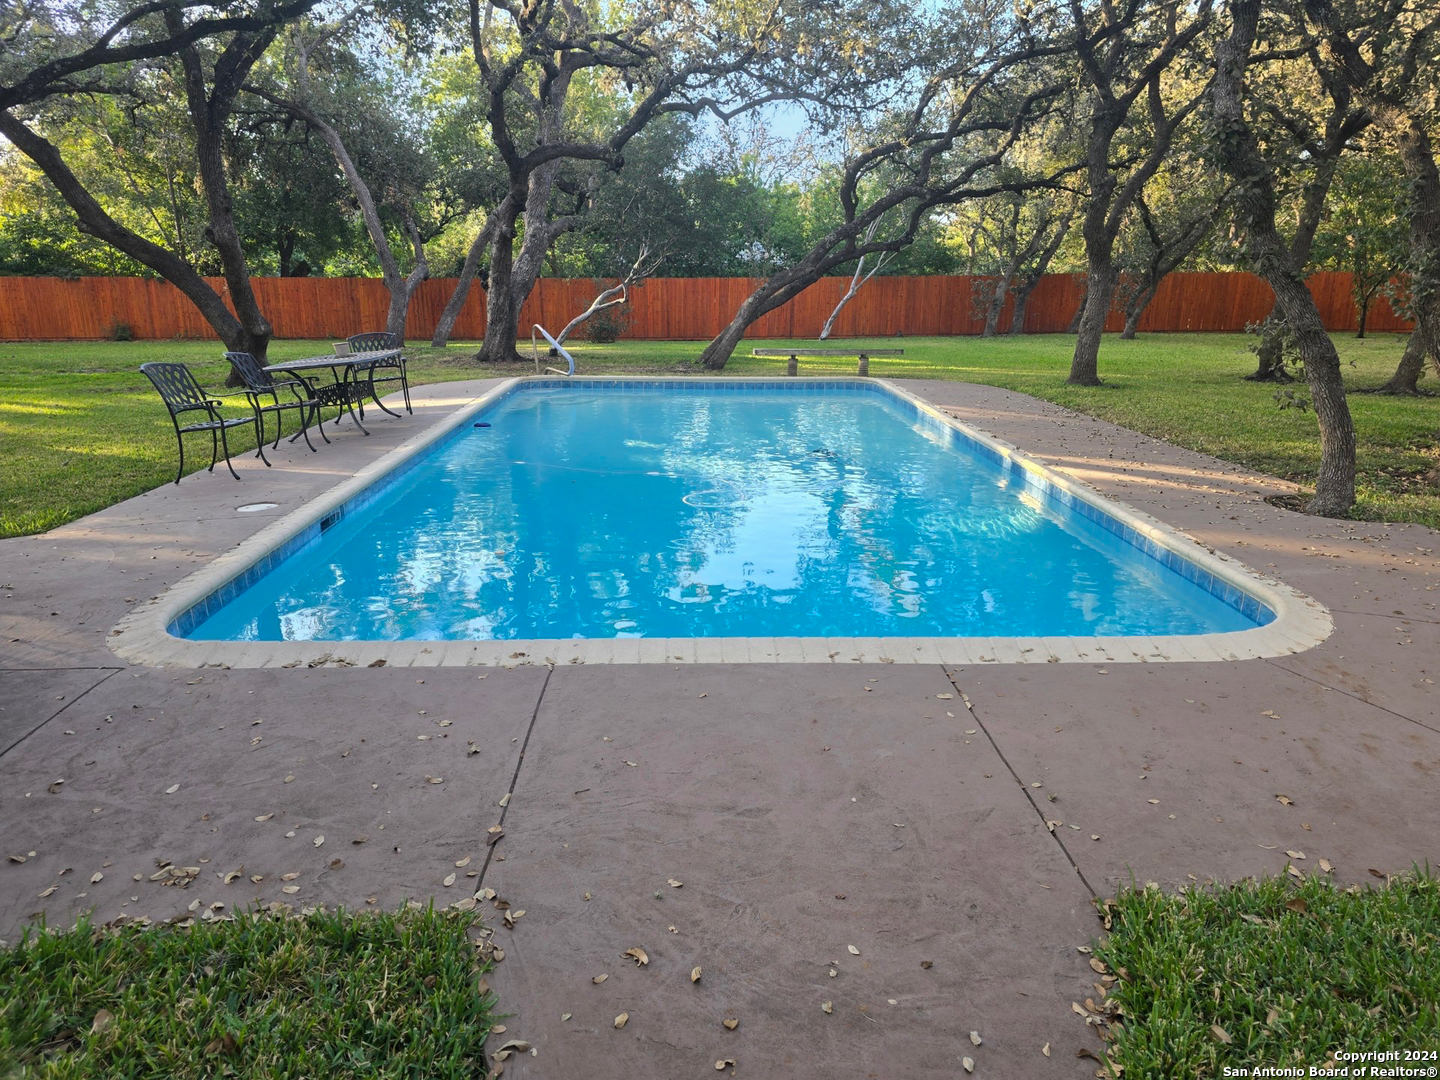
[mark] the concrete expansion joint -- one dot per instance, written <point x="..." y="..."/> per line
<point x="514" y="781"/>
<point x="971" y="711"/>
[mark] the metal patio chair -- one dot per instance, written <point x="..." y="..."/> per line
<point x="379" y="342"/>
<point x="182" y="394"/>
<point x="261" y="384"/>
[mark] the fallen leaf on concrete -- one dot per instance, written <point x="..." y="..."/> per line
<point x="968" y="1063"/>
<point x="1045" y="1049"/>
<point x="1326" y="866"/>
<point x="720" y="1063"/>
<point x="695" y="975"/>
<point x="449" y="880"/>
<point x="1285" y="800"/>
<point x="833" y="973"/>
<point x="434" y="779"/>
<point x="290" y="779"/>
<point x="55" y="787"/>
<point x="48" y="891"/>
<point x="565" y="1016"/>
<point x="945" y="697"/>
<point x="291" y="889"/>
<point x="598" y="979"/>
<point x="673" y="883"/>
<point x="462" y="863"/>
<point x="633" y="764"/>
<point x="1296" y="854"/>
<point x="853" y="950"/>
<point x="95" y="877"/>
<point x="827" y="1008"/>
<point x="493" y="833"/>
<point x="1099" y="966"/>
<point x="975" y="1037"/>
<point x="622" y="1020"/>
<point x="638" y="954"/>
<point x="730" y="1023"/>
<point x="168" y="791"/>
<point x="1153" y="802"/>
<point x="505" y="799"/>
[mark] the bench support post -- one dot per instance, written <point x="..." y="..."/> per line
<point x="792" y="367"/>
<point x="864" y="367"/>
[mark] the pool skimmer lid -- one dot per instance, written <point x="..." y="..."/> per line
<point x="250" y="508"/>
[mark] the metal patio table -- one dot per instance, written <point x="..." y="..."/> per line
<point x="350" y="386"/>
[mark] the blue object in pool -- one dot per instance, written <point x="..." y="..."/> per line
<point x="703" y="512"/>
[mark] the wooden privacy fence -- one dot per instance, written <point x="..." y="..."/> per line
<point x="54" y="309"/>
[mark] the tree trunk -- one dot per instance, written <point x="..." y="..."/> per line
<point x="456" y="304"/>
<point x="502" y="315"/>
<point x="512" y="275"/>
<point x="1074" y="327"/>
<point x="1364" y="314"/>
<point x="1255" y="204"/>
<point x="1270" y="354"/>
<point x="209" y="114"/>
<point x="1406" y="379"/>
<point x="1135" y="307"/>
<point x="1022" y="298"/>
<point x="1031" y="278"/>
<point x="856" y="281"/>
<point x="1417" y="154"/>
<point x="723" y="344"/>
<point x="997" y="302"/>
<point x="1099" y="289"/>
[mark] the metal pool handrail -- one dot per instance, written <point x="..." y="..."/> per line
<point x="535" y="351"/>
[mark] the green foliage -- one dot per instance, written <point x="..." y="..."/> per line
<point x="1289" y="973"/>
<point x="330" y="994"/>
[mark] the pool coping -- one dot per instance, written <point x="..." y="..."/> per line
<point x="143" y="635"/>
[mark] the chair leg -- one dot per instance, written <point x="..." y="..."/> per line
<point x="260" y="429"/>
<point x="228" y="463"/>
<point x="181" y="440"/>
<point x="405" y="385"/>
<point x="260" y="441"/>
<point x="305" y="430"/>
<point x="215" y="453"/>
<point x="279" y="427"/>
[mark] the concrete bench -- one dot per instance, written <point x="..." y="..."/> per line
<point x="794" y="354"/>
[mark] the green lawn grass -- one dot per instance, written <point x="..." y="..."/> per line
<point x="80" y="428"/>
<point x="332" y="995"/>
<point x="1272" y="973"/>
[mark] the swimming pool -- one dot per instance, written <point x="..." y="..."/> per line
<point x="650" y="520"/>
<point x="697" y="510"/>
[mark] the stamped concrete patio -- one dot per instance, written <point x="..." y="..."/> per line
<point x="804" y="808"/>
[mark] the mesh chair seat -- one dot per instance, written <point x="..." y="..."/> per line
<point x="260" y="384"/>
<point x="380" y="342"/>
<point x="182" y="394"/>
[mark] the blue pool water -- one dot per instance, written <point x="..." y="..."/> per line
<point x="594" y="513"/>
